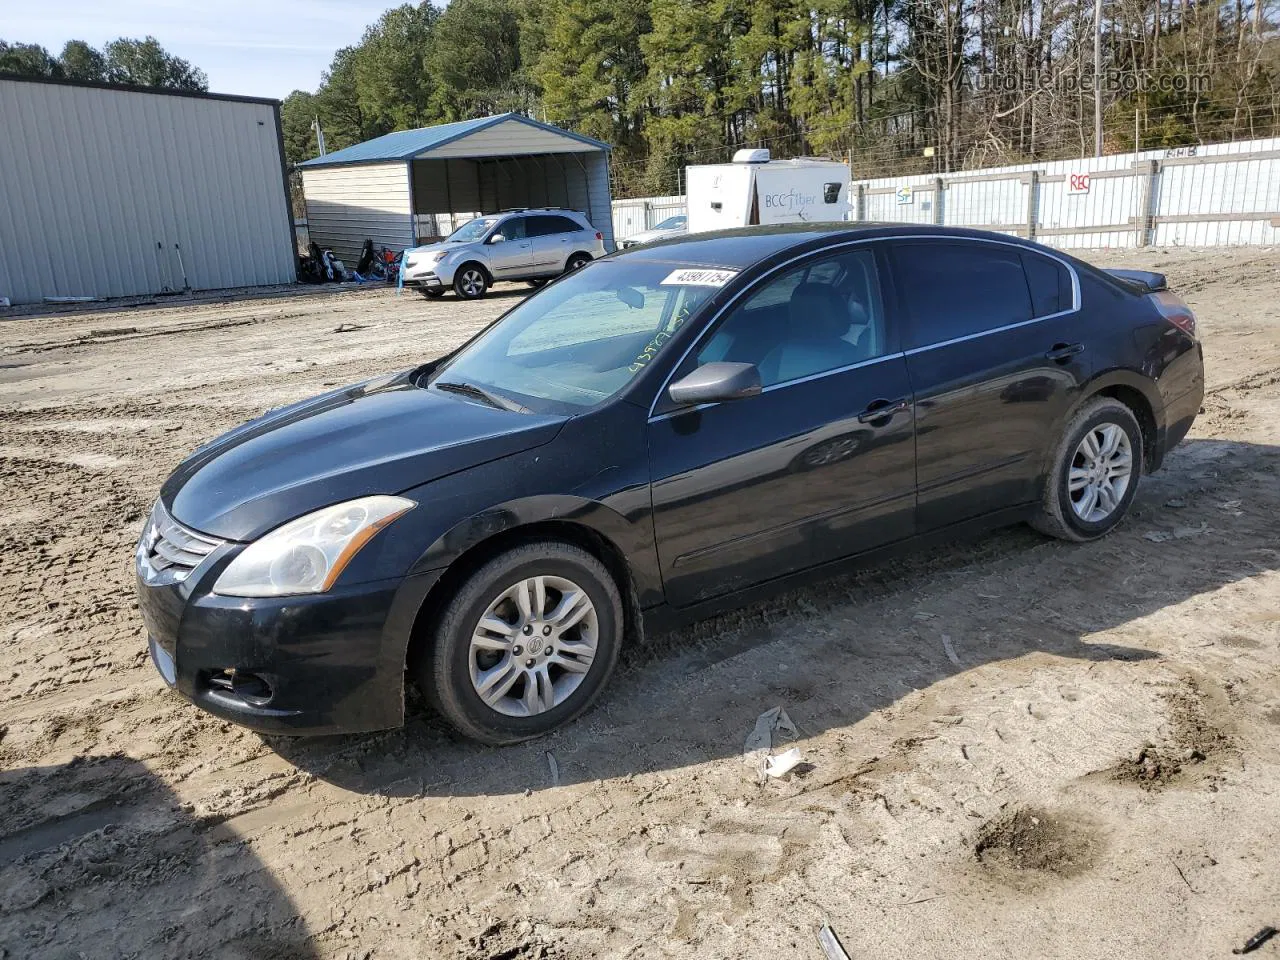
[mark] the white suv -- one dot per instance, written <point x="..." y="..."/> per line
<point x="533" y="245"/>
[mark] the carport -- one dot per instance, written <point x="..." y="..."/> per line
<point x="414" y="186"/>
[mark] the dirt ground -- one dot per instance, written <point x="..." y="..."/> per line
<point x="1014" y="747"/>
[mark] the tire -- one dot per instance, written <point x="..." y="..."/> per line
<point x="452" y="672"/>
<point x="1066" y="513"/>
<point x="577" y="261"/>
<point x="536" y="284"/>
<point x="432" y="293"/>
<point x="470" y="282"/>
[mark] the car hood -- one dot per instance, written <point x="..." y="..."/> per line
<point x="384" y="436"/>
<point x="428" y="248"/>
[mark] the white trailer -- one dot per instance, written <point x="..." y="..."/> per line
<point x="755" y="189"/>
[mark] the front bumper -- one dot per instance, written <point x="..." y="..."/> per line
<point x="435" y="275"/>
<point x="332" y="663"/>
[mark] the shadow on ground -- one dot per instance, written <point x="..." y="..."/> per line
<point x="842" y="649"/>
<point x="104" y="841"/>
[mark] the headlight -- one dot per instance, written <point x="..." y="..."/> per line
<point x="307" y="555"/>
<point x="435" y="256"/>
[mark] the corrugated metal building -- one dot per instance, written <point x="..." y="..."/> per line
<point x="416" y="185"/>
<point x="123" y="191"/>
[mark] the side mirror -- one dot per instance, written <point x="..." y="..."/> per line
<point x="497" y="238"/>
<point x="714" y="382"/>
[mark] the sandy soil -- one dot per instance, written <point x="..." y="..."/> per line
<point x="1014" y="747"/>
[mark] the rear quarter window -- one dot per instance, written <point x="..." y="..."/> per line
<point x="956" y="288"/>
<point x="1050" y="284"/>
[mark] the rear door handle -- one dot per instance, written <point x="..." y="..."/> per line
<point x="1064" y="351"/>
<point x="883" y="410"/>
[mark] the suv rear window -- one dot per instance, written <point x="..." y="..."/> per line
<point x="954" y="288"/>
<point x="544" y="225"/>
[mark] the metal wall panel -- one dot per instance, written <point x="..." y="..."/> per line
<point x="109" y="193"/>
<point x="348" y="205"/>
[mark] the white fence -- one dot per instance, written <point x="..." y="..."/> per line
<point x="1216" y="195"/>
<point x="635" y="216"/>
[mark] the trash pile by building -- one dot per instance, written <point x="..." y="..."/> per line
<point x="320" y="265"/>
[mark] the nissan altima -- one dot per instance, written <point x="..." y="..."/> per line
<point x="666" y="432"/>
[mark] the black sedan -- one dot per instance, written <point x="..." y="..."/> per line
<point x="666" y="432"/>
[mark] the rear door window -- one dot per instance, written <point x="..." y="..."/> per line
<point x="546" y="225"/>
<point x="955" y="288"/>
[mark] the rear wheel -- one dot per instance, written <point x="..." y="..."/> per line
<point x="537" y="282"/>
<point x="470" y="282"/>
<point x="577" y="262"/>
<point x="1095" y="471"/>
<point x="525" y="645"/>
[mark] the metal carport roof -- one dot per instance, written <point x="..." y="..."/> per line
<point x="411" y="144"/>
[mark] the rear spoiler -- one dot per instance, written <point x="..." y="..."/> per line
<point x="1142" y="281"/>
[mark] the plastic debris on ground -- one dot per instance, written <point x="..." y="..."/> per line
<point x="1257" y="940"/>
<point x="756" y="752"/>
<point x="950" y="650"/>
<point x="783" y="763"/>
<point x="554" y="767"/>
<point x="830" y="944"/>
<point x="1181" y="533"/>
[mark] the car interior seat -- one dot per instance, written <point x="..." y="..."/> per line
<point x="818" y="320"/>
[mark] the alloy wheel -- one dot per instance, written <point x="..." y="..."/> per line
<point x="1100" y="474"/>
<point x="533" y="646"/>
<point x="472" y="283"/>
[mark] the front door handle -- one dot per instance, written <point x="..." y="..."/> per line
<point x="883" y="410"/>
<point x="1064" y="351"/>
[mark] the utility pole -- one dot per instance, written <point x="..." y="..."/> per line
<point x="1097" y="78"/>
<point x="315" y="125"/>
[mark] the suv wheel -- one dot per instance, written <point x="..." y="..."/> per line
<point x="1095" y="472"/>
<point x="577" y="262"/>
<point x="470" y="282"/>
<point x="525" y="645"/>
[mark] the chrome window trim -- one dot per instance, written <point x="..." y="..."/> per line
<point x="1052" y="255"/>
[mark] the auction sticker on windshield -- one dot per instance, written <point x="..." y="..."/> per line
<point x="698" y="278"/>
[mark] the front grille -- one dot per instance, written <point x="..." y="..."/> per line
<point x="173" y="550"/>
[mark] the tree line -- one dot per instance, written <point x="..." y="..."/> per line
<point x="142" y="63"/>
<point x="896" y="86"/>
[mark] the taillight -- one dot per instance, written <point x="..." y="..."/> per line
<point x="599" y="235"/>
<point x="1174" y="309"/>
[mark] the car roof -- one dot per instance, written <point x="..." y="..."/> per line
<point x="743" y="247"/>
<point x="523" y="210"/>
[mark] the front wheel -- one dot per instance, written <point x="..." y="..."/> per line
<point x="1094" y="475"/>
<point x="577" y="262"/>
<point x="525" y="645"/>
<point x="470" y="282"/>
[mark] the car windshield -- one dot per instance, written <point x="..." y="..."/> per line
<point x="671" y="223"/>
<point x="472" y="230"/>
<point x="582" y="339"/>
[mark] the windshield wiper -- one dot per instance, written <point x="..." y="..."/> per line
<point x="479" y="393"/>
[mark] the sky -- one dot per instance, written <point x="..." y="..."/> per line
<point x="260" y="48"/>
